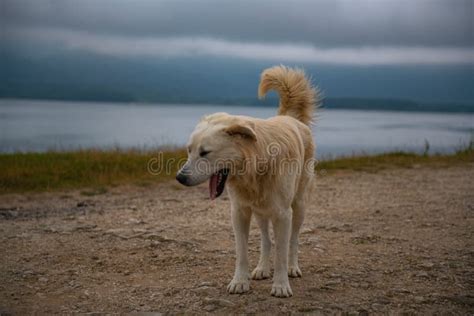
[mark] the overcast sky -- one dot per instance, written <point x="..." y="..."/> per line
<point x="347" y="32"/>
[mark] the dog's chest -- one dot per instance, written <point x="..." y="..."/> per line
<point x="247" y="198"/>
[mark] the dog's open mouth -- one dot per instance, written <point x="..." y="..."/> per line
<point x="217" y="183"/>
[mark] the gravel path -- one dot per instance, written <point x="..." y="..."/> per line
<point x="399" y="240"/>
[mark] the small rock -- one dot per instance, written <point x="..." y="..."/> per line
<point x="83" y="227"/>
<point x="377" y="307"/>
<point x="50" y="230"/>
<point x="347" y="228"/>
<point x="202" y="289"/>
<point x="23" y="236"/>
<point x="422" y="274"/>
<point x="420" y="299"/>
<point x="219" y="302"/>
<point x="383" y="300"/>
<point x="333" y="282"/>
<point x="210" y="308"/>
<point x="327" y="288"/>
<point x="427" y="265"/>
<point x="402" y="290"/>
<point x="43" y="280"/>
<point x="307" y="231"/>
<point x="135" y="221"/>
<point x="319" y="249"/>
<point x="208" y="284"/>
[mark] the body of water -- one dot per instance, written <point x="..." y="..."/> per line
<point x="27" y="125"/>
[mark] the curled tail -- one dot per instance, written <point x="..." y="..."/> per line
<point x="298" y="98"/>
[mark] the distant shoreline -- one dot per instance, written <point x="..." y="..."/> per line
<point x="365" y="104"/>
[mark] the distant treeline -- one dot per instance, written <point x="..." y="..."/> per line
<point x="327" y="103"/>
<point x="395" y="104"/>
<point x="364" y="104"/>
<point x="80" y="77"/>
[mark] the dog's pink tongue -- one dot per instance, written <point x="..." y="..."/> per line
<point x="213" y="186"/>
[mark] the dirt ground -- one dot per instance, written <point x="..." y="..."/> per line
<point x="398" y="241"/>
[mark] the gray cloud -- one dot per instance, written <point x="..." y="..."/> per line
<point x="320" y="23"/>
<point x="361" y="32"/>
<point x="282" y="52"/>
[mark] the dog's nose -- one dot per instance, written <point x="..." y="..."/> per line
<point x="181" y="178"/>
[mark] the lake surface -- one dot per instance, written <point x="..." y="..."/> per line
<point x="27" y="125"/>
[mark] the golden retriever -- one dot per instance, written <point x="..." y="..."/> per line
<point x="267" y="166"/>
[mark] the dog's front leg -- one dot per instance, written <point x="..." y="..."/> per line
<point x="241" y="224"/>
<point x="281" y="227"/>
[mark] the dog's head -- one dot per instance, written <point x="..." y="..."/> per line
<point x="216" y="148"/>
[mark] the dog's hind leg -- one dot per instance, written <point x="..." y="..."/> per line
<point x="241" y="223"/>
<point x="262" y="271"/>
<point x="282" y="229"/>
<point x="298" y="206"/>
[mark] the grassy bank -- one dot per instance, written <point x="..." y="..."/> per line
<point x="95" y="170"/>
<point x="373" y="163"/>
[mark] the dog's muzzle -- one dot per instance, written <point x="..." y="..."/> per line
<point x="182" y="178"/>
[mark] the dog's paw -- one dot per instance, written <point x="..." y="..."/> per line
<point x="281" y="289"/>
<point x="294" y="272"/>
<point x="261" y="273"/>
<point x="238" y="286"/>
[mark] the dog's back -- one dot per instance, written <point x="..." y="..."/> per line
<point x="299" y="100"/>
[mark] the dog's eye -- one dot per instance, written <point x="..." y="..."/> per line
<point x="204" y="153"/>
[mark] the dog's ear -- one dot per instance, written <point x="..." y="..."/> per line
<point x="241" y="130"/>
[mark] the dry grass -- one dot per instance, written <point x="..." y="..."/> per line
<point x="95" y="170"/>
<point x="373" y="163"/>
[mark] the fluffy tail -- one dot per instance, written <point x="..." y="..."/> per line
<point x="298" y="98"/>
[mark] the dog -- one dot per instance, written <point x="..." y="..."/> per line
<point x="267" y="167"/>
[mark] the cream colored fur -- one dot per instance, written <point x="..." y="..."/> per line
<point x="267" y="190"/>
